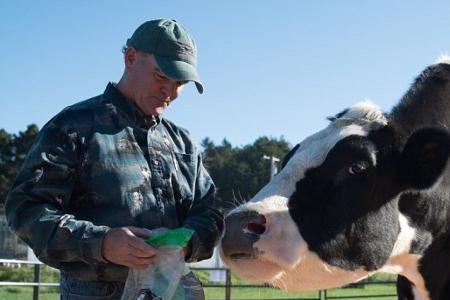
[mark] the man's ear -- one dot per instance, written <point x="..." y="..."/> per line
<point x="130" y="56"/>
<point x="424" y="157"/>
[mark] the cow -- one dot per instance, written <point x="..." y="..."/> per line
<point x="369" y="193"/>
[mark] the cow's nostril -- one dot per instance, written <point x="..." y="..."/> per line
<point x="242" y="230"/>
<point x="255" y="228"/>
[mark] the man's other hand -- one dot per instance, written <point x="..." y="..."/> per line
<point x="125" y="246"/>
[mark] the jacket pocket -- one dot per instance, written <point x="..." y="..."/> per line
<point x="183" y="183"/>
<point x="186" y="166"/>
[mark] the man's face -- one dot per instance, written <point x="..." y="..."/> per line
<point x="152" y="90"/>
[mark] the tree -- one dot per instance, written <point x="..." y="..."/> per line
<point x="240" y="172"/>
<point x="13" y="150"/>
<point x="6" y="162"/>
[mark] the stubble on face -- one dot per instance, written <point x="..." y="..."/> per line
<point x="147" y="89"/>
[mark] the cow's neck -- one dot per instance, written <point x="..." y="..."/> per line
<point x="428" y="212"/>
<point x="427" y="215"/>
<point x="405" y="263"/>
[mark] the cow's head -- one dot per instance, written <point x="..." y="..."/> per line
<point x="331" y="217"/>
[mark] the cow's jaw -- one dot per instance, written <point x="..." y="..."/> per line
<point x="311" y="274"/>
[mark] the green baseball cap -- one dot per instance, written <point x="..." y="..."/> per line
<point x="172" y="46"/>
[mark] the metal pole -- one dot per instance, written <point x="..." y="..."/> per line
<point x="228" y="285"/>
<point x="273" y="165"/>
<point x="37" y="280"/>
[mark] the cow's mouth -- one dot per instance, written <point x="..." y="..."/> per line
<point x="253" y="254"/>
<point x="246" y="256"/>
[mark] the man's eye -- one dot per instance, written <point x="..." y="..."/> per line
<point x="161" y="77"/>
<point x="356" y="168"/>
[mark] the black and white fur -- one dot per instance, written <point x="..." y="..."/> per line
<point x="369" y="193"/>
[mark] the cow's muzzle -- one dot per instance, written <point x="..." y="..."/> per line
<point x="242" y="230"/>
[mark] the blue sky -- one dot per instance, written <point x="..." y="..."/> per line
<point x="274" y="68"/>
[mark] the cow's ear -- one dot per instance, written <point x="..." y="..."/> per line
<point x="424" y="157"/>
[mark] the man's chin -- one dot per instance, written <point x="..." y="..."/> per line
<point x="154" y="111"/>
<point x="159" y="110"/>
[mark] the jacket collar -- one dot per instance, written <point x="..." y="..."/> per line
<point x="129" y="108"/>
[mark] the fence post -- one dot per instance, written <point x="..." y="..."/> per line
<point x="37" y="280"/>
<point x="228" y="285"/>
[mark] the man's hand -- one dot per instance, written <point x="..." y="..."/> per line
<point x="124" y="246"/>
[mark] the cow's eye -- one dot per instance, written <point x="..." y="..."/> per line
<point x="357" y="168"/>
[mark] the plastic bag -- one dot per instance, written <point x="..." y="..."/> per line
<point x="168" y="278"/>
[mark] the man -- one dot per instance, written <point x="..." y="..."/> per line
<point x="104" y="171"/>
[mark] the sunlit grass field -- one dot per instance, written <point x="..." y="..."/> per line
<point x="370" y="290"/>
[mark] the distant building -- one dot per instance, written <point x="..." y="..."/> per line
<point x="213" y="262"/>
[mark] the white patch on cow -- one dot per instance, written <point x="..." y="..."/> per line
<point x="405" y="237"/>
<point x="284" y="259"/>
<point x="404" y="263"/>
<point x="443" y="59"/>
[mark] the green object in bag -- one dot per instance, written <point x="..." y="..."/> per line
<point x="171" y="238"/>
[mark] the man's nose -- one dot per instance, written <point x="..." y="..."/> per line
<point x="169" y="90"/>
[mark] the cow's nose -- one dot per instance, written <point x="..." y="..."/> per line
<point x="242" y="230"/>
<point x="255" y="224"/>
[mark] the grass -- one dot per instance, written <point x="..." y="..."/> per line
<point x="23" y="293"/>
<point x="370" y="290"/>
<point x="362" y="291"/>
<point x="26" y="293"/>
<point x="26" y="274"/>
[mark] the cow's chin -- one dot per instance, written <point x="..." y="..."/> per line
<point x="255" y="270"/>
<point x="312" y="274"/>
<point x="309" y="274"/>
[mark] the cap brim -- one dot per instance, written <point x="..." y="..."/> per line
<point x="179" y="70"/>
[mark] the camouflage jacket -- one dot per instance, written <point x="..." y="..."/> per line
<point x="100" y="164"/>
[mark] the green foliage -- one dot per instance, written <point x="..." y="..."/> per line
<point x="240" y="172"/>
<point x="13" y="150"/>
<point x="202" y="275"/>
<point x="26" y="274"/>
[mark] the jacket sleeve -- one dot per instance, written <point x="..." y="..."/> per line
<point x="37" y="203"/>
<point x="205" y="217"/>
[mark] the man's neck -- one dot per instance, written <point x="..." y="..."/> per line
<point x="124" y="88"/>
